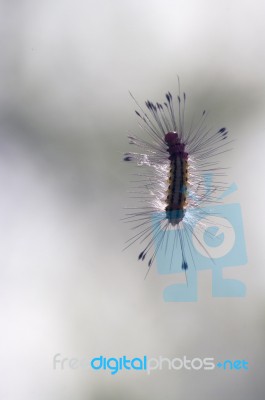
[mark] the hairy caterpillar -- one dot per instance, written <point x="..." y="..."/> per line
<point x="171" y="186"/>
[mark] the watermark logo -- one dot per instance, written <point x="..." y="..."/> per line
<point x="214" y="241"/>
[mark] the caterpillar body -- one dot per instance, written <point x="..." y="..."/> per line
<point x="171" y="186"/>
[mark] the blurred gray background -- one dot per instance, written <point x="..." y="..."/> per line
<point x="65" y="111"/>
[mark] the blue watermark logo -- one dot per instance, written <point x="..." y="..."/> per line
<point x="213" y="240"/>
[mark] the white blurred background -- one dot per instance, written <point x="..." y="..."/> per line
<point x="66" y="286"/>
